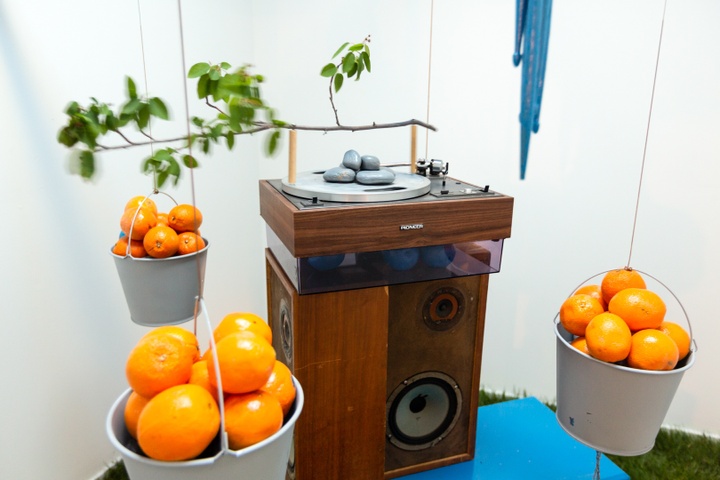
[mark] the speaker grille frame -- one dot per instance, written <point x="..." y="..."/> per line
<point x="448" y="385"/>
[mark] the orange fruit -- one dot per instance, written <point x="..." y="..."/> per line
<point x="653" y="350"/>
<point x="251" y="417"/>
<point x="141" y="200"/>
<point x="158" y="362"/>
<point x="577" y="311"/>
<point x="639" y="307"/>
<point x="190" y="242"/>
<point x="161" y="242"/>
<point x="280" y="385"/>
<point x="137" y="249"/>
<point x="593" y="291"/>
<point x="199" y="376"/>
<point x="188" y="338"/>
<point x="242" y="321"/>
<point x="679" y="335"/>
<point x="581" y="344"/>
<point x="608" y="337"/>
<point x="133" y="407"/>
<point x="620" y="279"/>
<point x="178" y="423"/>
<point x="144" y="221"/>
<point x="246" y="361"/>
<point x="185" y="218"/>
<point x="162" y="219"/>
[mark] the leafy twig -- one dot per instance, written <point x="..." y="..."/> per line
<point x="238" y="90"/>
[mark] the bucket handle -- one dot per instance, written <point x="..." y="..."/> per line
<point x="201" y="308"/>
<point x="132" y="224"/>
<point x="687" y="318"/>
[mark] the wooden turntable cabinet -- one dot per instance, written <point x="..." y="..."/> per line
<point x="376" y="299"/>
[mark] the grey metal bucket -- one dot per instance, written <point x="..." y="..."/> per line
<point x="267" y="460"/>
<point x="162" y="291"/>
<point x="611" y="408"/>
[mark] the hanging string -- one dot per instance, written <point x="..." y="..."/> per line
<point x="647" y="133"/>
<point x="147" y="91"/>
<point x="192" y="176"/>
<point x="427" y="112"/>
<point x="596" y="473"/>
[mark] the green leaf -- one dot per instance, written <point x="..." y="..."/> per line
<point x="158" y="108"/>
<point x="162" y="178"/>
<point x="143" y="116"/>
<point x="86" y="164"/>
<point x="338" y="81"/>
<point x="339" y="50"/>
<point x="356" y="48"/>
<point x="230" y="140"/>
<point x="111" y="122"/>
<point x="190" y="161"/>
<point x="272" y="142"/>
<point x="348" y="63"/>
<point x="67" y="137"/>
<point x="328" y="70"/>
<point x="131" y="107"/>
<point x="214" y="74"/>
<point x="163" y="155"/>
<point x="225" y="66"/>
<point x="353" y="70"/>
<point x="131" y="90"/>
<point x="365" y="57"/>
<point x="198" y="70"/>
<point x="202" y="86"/>
<point x="197" y="121"/>
<point x="72" y="108"/>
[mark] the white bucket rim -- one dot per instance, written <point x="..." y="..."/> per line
<point x="126" y="452"/>
<point x="168" y="259"/>
<point x="688" y="360"/>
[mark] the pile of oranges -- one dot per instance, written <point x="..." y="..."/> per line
<point x="621" y="321"/>
<point x="173" y="409"/>
<point x="157" y="234"/>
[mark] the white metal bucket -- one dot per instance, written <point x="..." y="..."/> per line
<point x="611" y="408"/>
<point x="266" y="460"/>
<point x="162" y="291"/>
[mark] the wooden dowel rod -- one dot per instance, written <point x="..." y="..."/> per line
<point x="413" y="148"/>
<point x="292" y="156"/>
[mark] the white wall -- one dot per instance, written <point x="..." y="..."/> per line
<point x="65" y="324"/>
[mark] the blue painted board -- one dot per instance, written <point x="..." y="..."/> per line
<point x="521" y="439"/>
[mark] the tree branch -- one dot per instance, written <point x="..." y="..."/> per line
<point x="263" y="126"/>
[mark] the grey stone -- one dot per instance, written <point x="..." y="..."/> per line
<point x="370" y="162"/>
<point x="384" y="176"/>
<point x="352" y="159"/>
<point x="339" y="175"/>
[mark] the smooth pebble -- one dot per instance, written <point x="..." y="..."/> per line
<point x="339" y="175"/>
<point x="370" y="162"/>
<point x="383" y="176"/>
<point x="352" y="159"/>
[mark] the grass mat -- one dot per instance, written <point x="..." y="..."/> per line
<point x="677" y="455"/>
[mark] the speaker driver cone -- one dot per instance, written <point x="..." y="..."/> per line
<point x="422" y="410"/>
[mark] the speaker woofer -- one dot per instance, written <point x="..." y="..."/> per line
<point x="286" y="334"/>
<point x="422" y="410"/>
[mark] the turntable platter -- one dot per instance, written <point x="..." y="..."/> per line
<point x="311" y="185"/>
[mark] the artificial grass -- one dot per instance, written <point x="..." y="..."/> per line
<point x="677" y="455"/>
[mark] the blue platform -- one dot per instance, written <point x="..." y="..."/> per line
<point x="521" y="439"/>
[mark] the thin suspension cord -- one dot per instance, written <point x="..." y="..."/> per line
<point x="147" y="91"/>
<point x="647" y="133"/>
<point x="427" y="112"/>
<point x="192" y="176"/>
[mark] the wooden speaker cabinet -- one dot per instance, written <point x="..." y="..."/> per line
<point x="388" y="357"/>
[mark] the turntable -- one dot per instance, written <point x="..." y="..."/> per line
<point x="376" y="299"/>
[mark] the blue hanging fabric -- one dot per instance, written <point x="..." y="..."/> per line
<point x="532" y="34"/>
